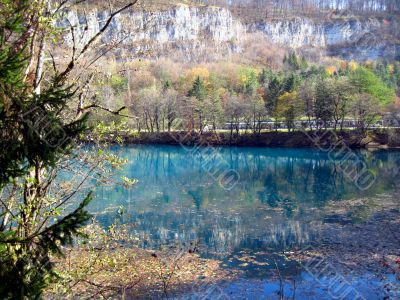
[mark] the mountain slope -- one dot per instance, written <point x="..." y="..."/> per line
<point x="200" y="33"/>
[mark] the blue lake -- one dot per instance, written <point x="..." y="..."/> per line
<point x="276" y="194"/>
<point x="233" y="201"/>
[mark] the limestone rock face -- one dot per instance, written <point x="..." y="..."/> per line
<point x="352" y="39"/>
<point x="196" y="32"/>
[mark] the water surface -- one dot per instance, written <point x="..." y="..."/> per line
<point x="279" y="192"/>
<point x="257" y="202"/>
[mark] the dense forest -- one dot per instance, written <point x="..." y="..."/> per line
<point x="165" y="96"/>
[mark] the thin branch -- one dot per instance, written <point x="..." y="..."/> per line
<point x="83" y="94"/>
<point x="87" y="46"/>
<point x="114" y="112"/>
<point x="53" y="62"/>
<point x="103" y="29"/>
<point x="60" y="6"/>
<point x="106" y="51"/>
<point x="8" y="213"/>
<point x="39" y="65"/>
<point x="73" y="40"/>
<point x="67" y="198"/>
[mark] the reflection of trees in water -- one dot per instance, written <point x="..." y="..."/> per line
<point x="308" y="172"/>
<point x="220" y="234"/>
<point x="177" y="200"/>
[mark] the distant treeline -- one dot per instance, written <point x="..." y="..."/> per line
<point x="304" y="5"/>
<point x="256" y="10"/>
<point x="165" y="96"/>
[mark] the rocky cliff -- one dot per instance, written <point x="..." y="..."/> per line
<point x="198" y="33"/>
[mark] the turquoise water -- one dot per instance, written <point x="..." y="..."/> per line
<point x="234" y="202"/>
<point x="277" y="195"/>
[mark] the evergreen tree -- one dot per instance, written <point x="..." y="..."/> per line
<point x="292" y="61"/>
<point x="324" y="102"/>
<point x="214" y="110"/>
<point x="272" y="93"/>
<point x="264" y="77"/>
<point x="36" y="135"/>
<point x="381" y="70"/>
<point x="199" y="93"/>
<point x="167" y="85"/>
<point x="290" y="83"/>
<point x="198" y="90"/>
<point x="303" y="63"/>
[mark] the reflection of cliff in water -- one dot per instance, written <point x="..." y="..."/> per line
<point x="276" y="203"/>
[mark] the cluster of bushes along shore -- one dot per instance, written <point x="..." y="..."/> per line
<point x="389" y="138"/>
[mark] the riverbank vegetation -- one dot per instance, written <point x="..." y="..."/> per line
<point x="110" y="264"/>
<point x="164" y="96"/>
<point x="374" y="138"/>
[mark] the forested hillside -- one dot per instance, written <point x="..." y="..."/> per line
<point x="197" y="64"/>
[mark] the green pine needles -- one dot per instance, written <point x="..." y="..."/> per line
<point x="34" y="136"/>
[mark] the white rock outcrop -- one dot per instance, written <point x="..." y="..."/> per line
<point x="194" y="31"/>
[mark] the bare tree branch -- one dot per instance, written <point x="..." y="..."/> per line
<point x="114" y="112"/>
<point x="87" y="46"/>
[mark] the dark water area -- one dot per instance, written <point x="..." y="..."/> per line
<point x="243" y="206"/>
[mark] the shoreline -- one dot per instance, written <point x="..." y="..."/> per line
<point x="362" y="255"/>
<point x="374" y="139"/>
